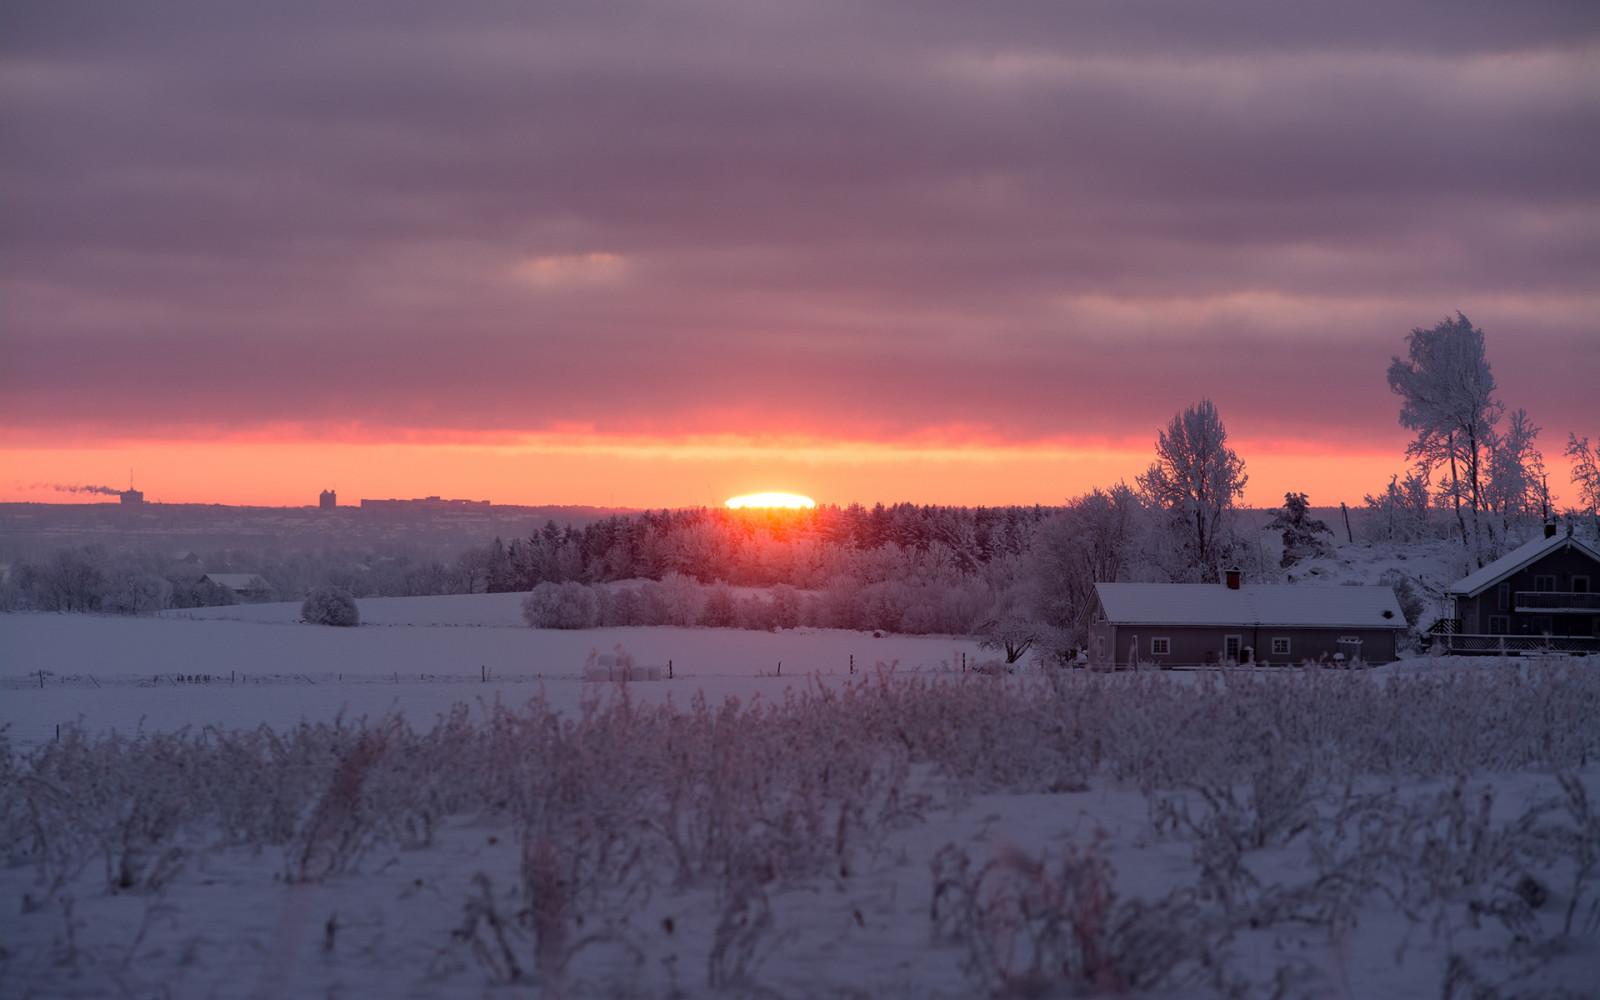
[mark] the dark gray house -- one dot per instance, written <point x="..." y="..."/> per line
<point x="246" y="587"/>
<point x="1196" y="624"/>
<point x="1539" y="596"/>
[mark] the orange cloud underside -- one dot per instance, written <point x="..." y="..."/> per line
<point x="585" y="468"/>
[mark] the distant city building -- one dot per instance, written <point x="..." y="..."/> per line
<point x="131" y="496"/>
<point x="425" y="503"/>
<point x="328" y="500"/>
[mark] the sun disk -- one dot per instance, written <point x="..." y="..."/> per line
<point x="771" y="500"/>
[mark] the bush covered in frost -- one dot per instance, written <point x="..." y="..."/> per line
<point x="330" y="606"/>
<point x="746" y="802"/>
<point x="561" y="605"/>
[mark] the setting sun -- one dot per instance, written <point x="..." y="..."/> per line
<point x="771" y="500"/>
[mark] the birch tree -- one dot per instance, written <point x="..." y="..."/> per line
<point x="1515" y="489"/>
<point x="1448" y="399"/>
<point x="1196" y="477"/>
<point x="1585" y="476"/>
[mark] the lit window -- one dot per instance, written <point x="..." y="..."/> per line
<point x="1280" y="646"/>
<point x="1160" y="647"/>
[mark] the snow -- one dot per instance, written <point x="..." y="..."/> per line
<point x="1286" y="605"/>
<point x="412" y="655"/>
<point x="412" y="917"/>
<point x="1524" y="555"/>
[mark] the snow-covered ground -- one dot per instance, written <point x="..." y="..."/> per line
<point x="411" y="655"/>
<point x="1423" y="830"/>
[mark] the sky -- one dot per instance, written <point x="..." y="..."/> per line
<point x="660" y="253"/>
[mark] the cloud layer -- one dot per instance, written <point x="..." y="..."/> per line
<point x="1026" y="222"/>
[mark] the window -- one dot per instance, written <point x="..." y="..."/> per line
<point x="1161" y="647"/>
<point x="1544" y="584"/>
<point x="1100" y="647"/>
<point x="1505" y="596"/>
<point x="1499" y="625"/>
<point x="1542" y="625"/>
<point x="1230" y="646"/>
<point x="1580" y="585"/>
<point x="1280" y="645"/>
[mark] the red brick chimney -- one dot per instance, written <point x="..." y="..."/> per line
<point x="1233" y="578"/>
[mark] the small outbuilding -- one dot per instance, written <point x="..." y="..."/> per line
<point x="1540" y="596"/>
<point x="1207" y="624"/>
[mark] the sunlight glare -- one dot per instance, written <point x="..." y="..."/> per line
<point x="771" y="500"/>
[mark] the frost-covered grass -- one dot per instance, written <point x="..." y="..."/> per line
<point x="1303" y="832"/>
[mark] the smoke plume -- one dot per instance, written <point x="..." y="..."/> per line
<point x="61" y="488"/>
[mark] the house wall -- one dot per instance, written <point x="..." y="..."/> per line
<point x="1110" y="645"/>
<point x="1564" y="565"/>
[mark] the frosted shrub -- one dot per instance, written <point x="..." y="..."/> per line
<point x="330" y="606"/>
<point x="567" y="605"/>
<point x="746" y="802"/>
<point x="1032" y="928"/>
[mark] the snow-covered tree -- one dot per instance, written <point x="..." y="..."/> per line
<point x="330" y="606"/>
<point x="1403" y="507"/>
<point x="1089" y="542"/>
<point x="1300" y="530"/>
<point x="569" y="605"/>
<point x="1516" y="488"/>
<point x="1448" y="399"/>
<point x="1196" y="477"/>
<point x="1585" y="475"/>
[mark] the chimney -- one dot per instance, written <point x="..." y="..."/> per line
<point x="1233" y="578"/>
<point x="1550" y="529"/>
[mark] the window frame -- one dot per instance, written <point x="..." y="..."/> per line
<point x="1232" y="647"/>
<point x="1160" y="645"/>
<point x="1281" y="646"/>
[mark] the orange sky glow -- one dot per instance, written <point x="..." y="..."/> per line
<point x="947" y="254"/>
<point x="637" y="471"/>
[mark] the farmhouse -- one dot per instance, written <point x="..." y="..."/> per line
<point x="244" y="586"/>
<point x="1540" y="596"/>
<point x="1194" y="624"/>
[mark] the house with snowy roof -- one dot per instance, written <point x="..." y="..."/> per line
<point x="1199" y="624"/>
<point x="1539" y="596"/>
<point x="243" y="586"/>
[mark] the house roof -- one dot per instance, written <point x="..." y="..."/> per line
<point x="237" y="581"/>
<point x="1257" y="605"/>
<point x="1515" y="560"/>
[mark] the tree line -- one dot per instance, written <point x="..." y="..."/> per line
<point x="1022" y="576"/>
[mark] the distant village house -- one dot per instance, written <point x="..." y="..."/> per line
<point x="244" y="586"/>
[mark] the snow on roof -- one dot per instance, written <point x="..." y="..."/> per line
<point x="237" y="581"/>
<point x="1260" y="604"/>
<point x="1516" y="559"/>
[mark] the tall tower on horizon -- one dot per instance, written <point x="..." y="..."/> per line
<point x="328" y="500"/>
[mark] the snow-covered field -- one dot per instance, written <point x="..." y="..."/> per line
<point x="915" y="831"/>
<point x="412" y="655"/>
